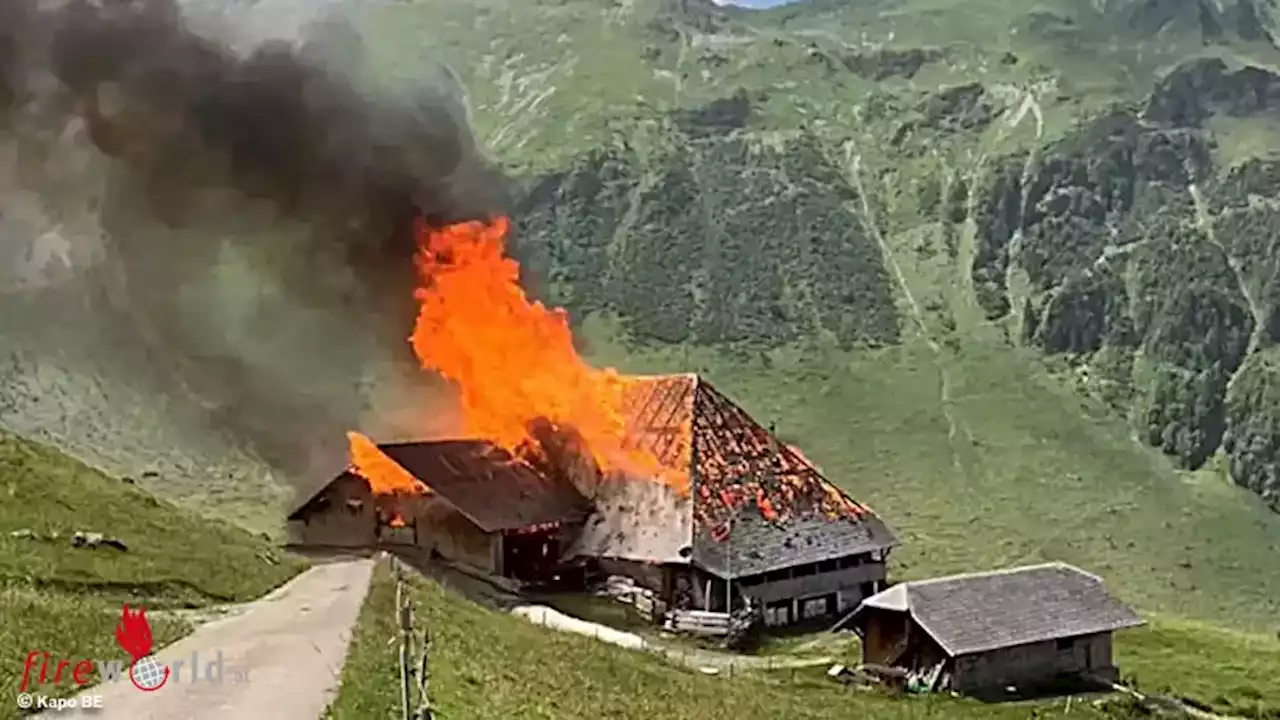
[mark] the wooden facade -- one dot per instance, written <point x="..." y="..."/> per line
<point x="815" y="590"/>
<point x="480" y="509"/>
<point x="1034" y="663"/>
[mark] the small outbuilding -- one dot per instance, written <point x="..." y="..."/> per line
<point x="1023" y="627"/>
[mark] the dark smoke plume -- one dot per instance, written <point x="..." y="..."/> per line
<point x="289" y="154"/>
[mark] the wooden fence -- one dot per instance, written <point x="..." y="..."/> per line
<point x="410" y="676"/>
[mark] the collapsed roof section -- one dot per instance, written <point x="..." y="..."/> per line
<point x="492" y="488"/>
<point x="756" y="504"/>
<point x="485" y="483"/>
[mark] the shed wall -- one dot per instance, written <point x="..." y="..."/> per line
<point x="883" y="633"/>
<point x="349" y="520"/>
<point x="1034" y="663"/>
<point x="447" y="531"/>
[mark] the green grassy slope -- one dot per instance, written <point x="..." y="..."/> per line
<point x="66" y="600"/>
<point x="1231" y="672"/>
<point x="485" y="665"/>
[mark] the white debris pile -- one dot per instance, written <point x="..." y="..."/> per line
<point x="623" y="589"/>
<point x="547" y="617"/>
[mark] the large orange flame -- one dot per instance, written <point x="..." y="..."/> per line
<point x="512" y="359"/>
<point x="384" y="475"/>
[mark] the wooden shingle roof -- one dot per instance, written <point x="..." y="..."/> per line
<point x="756" y="503"/>
<point x="488" y="485"/>
<point x="975" y="613"/>
<point x="755" y="545"/>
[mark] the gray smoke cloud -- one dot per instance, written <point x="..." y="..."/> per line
<point x="225" y="194"/>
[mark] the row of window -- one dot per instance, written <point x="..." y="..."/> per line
<point x="825" y="566"/>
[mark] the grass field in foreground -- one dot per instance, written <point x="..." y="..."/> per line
<point x="486" y="665"/>
<point x="66" y="600"/>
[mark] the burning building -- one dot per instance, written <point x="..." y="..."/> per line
<point x="661" y="479"/>
<point x="758" y="521"/>
<point x="740" y="516"/>
<point x="482" y="508"/>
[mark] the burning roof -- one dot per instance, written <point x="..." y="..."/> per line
<point x="484" y="482"/>
<point x="673" y="468"/>
<point x="756" y="504"/>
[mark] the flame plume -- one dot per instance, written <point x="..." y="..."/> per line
<point x="511" y="359"/>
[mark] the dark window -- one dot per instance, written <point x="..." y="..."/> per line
<point x="826" y="566"/>
<point x="803" y="570"/>
<point x="777" y="575"/>
<point x="1065" y="643"/>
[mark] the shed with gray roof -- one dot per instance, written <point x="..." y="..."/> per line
<point x="1022" y="626"/>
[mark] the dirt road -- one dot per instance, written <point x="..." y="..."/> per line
<point x="280" y="657"/>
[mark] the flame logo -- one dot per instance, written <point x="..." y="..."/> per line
<point x="133" y="635"/>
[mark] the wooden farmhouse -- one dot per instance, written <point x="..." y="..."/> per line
<point x="482" y="508"/>
<point x="1024" y="627"/>
<point x="760" y="521"/>
<point x="755" y="520"/>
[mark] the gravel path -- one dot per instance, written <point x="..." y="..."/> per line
<point x="282" y="656"/>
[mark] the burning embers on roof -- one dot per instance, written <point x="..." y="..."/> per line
<point x="737" y="462"/>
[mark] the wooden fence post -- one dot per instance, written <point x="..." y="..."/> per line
<point x="408" y="673"/>
<point x="405" y="617"/>
<point x="425" y="711"/>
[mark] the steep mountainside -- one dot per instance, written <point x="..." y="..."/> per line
<point x="1100" y="176"/>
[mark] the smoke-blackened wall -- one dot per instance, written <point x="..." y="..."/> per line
<point x="236" y="211"/>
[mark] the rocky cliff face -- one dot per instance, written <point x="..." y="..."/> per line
<point x="1152" y="265"/>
